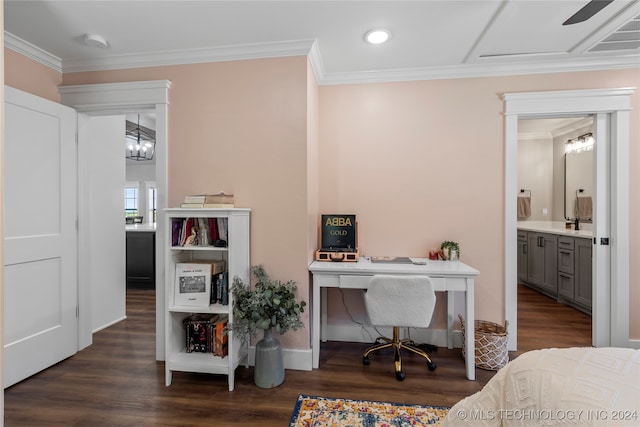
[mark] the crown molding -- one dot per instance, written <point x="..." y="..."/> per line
<point x="32" y="52"/>
<point x="484" y="70"/>
<point x="311" y="49"/>
<point x="529" y="136"/>
<point x="190" y="56"/>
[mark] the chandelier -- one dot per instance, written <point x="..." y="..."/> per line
<point x="579" y="144"/>
<point x="140" y="143"/>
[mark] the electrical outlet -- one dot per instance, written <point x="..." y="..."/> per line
<point x="545" y="211"/>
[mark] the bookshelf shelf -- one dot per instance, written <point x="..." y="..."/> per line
<point x="236" y="257"/>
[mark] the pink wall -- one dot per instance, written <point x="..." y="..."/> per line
<point x="422" y="162"/>
<point x="25" y="74"/>
<point x="418" y="162"/>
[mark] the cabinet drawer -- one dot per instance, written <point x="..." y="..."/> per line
<point x="566" y="285"/>
<point x="566" y="243"/>
<point x="566" y="261"/>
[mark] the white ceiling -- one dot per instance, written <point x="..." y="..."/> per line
<point x="430" y="39"/>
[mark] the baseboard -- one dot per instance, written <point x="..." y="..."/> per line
<point x="634" y="343"/>
<point x="301" y="360"/>
<point x="98" y="329"/>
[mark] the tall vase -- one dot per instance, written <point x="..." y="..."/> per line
<point x="268" y="371"/>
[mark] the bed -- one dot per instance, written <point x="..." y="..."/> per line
<point x="572" y="386"/>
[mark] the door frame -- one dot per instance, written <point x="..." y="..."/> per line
<point x="610" y="309"/>
<point x="109" y="99"/>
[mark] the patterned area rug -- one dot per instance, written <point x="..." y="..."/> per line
<point x="311" y="411"/>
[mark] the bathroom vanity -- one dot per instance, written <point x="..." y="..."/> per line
<point x="556" y="262"/>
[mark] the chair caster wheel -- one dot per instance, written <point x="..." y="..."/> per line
<point x="432" y="366"/>
<point x="400" y="376"/>
<point x="365" y="360"/>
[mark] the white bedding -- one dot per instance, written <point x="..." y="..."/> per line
<point x="572" y="386"/>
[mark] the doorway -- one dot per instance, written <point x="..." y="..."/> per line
<point x="111" y="99"/>
<point x="610" y="107"/>
<point x="554" y="282"/>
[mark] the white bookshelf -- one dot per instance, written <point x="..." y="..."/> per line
<point x="236" y="255"/>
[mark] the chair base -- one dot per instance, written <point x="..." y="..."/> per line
<point x="397" y="345"/>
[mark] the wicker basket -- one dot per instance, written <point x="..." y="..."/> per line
<point x="491" y="344"/>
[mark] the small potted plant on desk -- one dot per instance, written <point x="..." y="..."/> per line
<point x="272" y="307"/>
<point x="450" y="250"/>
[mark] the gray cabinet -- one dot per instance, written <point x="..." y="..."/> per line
<point x="574" y="272"/>
<point x="584" y="273"/>
<point x="558" y="266"/>
<point x="141" y="260"/>
<point x="542" y="259"/>
<point x="522" y="256"/>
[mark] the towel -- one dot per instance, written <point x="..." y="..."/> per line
<point x="524" y="207"/>
<point x="584" y="206"/>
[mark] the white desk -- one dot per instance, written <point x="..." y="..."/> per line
<point x="447" y="276"/>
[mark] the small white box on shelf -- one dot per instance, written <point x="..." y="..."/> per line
<point x="192" y="284"/>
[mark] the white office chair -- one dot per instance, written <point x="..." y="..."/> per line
<point x="399" y="301"/>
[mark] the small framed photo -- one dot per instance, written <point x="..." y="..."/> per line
<point x="193" y="284"/>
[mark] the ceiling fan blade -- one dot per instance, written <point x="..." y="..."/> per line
<point x="590" y="9"/>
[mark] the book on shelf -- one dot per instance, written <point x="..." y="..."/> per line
<point x="220" y="288"/>
<point x="192" y="284"/>
<point x="200" y="332"/>
<point x="199" y="232"/>
<point x="220" y="338"/>
<point x="206" y="333"/>
<point x="218" y="198"/>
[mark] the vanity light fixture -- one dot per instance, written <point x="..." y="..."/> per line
<point x="377" y="36"/>
<point x="140" y="144"/>
<point x="579" y="144"/>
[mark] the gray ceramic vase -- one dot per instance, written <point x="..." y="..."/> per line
<point x="268" y="371"/>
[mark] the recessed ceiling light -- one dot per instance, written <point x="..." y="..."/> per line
<point x="95" y="40"/>
<point x="377" y="36"/>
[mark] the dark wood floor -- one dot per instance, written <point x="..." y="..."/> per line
<point x="117" y="382"/>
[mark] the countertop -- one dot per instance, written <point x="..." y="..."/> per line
<point x="148" y="228"/>
<point x="556" y="227"/>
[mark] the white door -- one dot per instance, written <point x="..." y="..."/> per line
<point x="40" y="245"/>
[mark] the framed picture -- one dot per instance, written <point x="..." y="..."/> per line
<point x="193" y="284"/>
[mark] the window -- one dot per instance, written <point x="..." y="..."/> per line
<point x="130" y="201"/>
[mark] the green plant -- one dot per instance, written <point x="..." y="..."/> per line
<point x="449" y="246"/>
<point x="271" y="303"/>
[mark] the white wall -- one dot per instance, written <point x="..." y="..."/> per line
<point x="142" y="173"/>
<point x="535" y="173"/>
<point x="106" y="207"/>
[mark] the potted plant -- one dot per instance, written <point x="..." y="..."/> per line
<point x="450" y="250"/>
<point x="272" y="307"/>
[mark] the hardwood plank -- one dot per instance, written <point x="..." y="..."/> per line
<point x="116" y="381"/>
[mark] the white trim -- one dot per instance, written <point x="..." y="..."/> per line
<point x="300" y="360"/>
<point x="487" y="67"/>
<point x="32" y="52"/>
<point x="114" y="98"/>
<point x="615" y="103"/>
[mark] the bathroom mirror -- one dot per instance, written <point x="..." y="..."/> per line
<point x="578" y="180"/>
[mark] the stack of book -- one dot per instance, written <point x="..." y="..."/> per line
<point x="206" y="334"/>
<point x="219" y="200"/>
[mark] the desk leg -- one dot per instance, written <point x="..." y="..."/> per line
<point x="470" y="331"/>
<point x="323" y="314"/>
<point x="450" y="315"/>
<point x="315" y="334"/>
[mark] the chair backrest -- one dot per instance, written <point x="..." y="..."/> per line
<point x="406" y="301"/>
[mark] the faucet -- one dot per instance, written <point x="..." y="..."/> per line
<point x="576" y="226"/>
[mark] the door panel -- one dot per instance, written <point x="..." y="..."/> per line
<point x="40" y="245"/>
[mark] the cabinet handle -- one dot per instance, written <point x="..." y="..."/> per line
<point x="565" y="243"/>
<point x="565" y="252"/>
<point x="564" y="276"/>
<point x="524" y="249"/>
